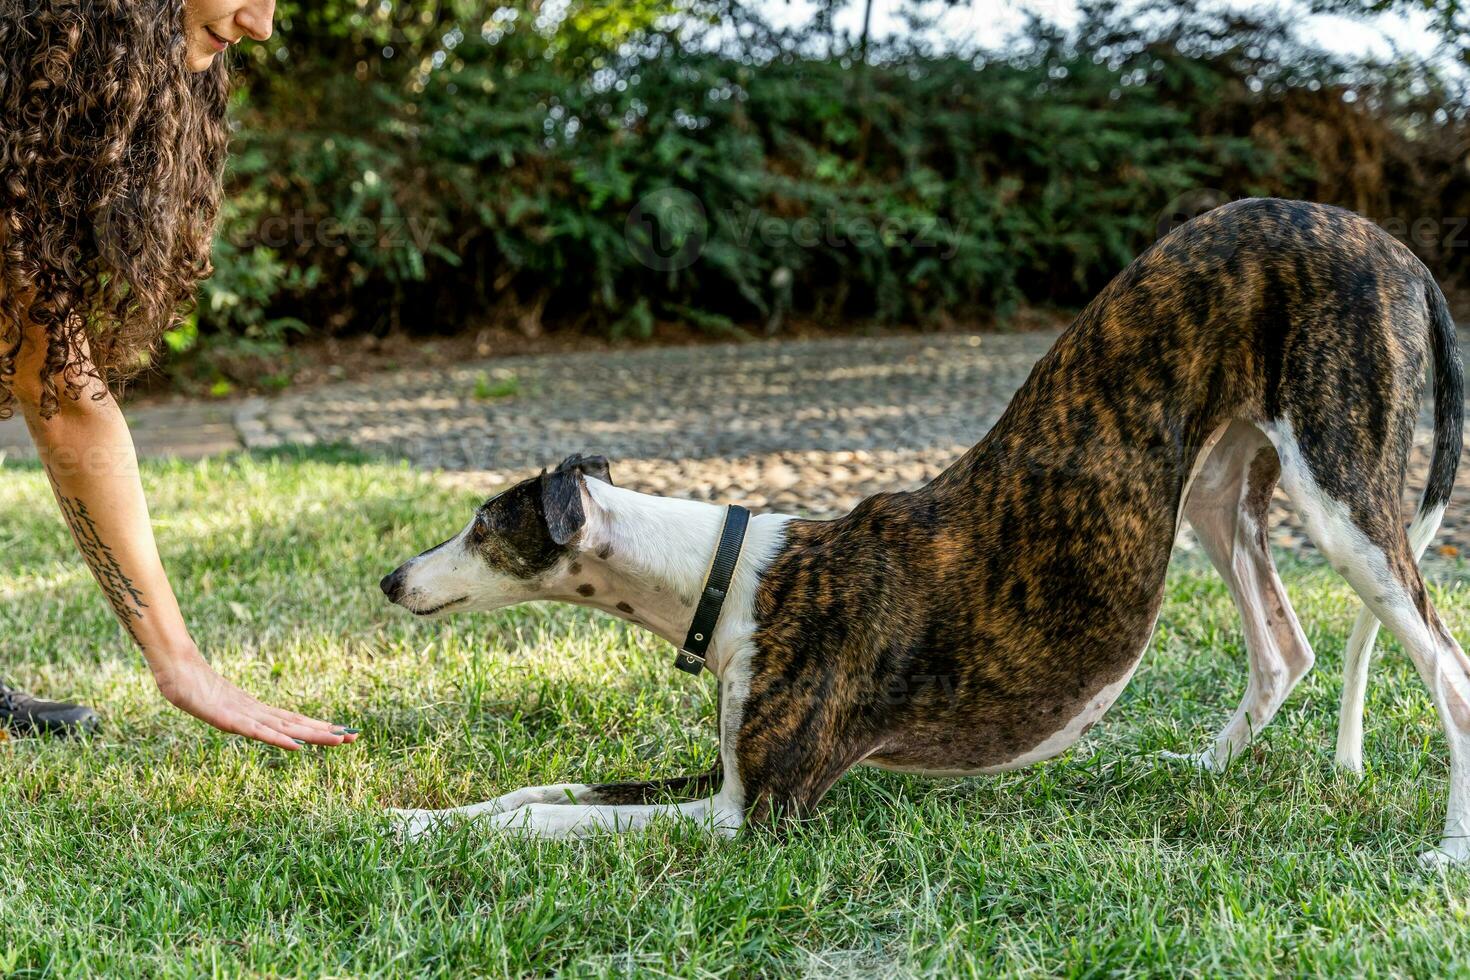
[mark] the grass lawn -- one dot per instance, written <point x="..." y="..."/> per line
<point x="164" y="848"/>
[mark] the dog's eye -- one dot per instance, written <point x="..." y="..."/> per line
<point x="480" y="530"/>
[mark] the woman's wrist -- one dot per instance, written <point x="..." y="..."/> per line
<point x="185" y="678"/>
<point x="172" y="656"/>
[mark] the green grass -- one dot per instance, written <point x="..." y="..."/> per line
<point x="164" y="848"/>
<point x="502" y="386"/>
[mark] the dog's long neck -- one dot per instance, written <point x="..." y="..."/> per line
<point x="645" y="559"/>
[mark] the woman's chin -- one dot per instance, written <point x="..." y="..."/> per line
<point x="200" y="60"/>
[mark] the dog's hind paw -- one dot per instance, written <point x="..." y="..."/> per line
<point x="1449" y="854"/>
<point x="1205" y="760"/>
<point x="415" y="824"/>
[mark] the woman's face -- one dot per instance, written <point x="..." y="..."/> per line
<point x="211" y="26"/>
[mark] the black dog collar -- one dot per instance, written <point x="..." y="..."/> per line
<point x="716" y="584"/>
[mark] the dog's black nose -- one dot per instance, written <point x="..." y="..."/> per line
<point x="392" y="586"/>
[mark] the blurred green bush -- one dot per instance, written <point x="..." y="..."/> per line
<point x="431" y="165"/>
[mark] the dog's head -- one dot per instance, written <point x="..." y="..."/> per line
<point x="519" y="545"/>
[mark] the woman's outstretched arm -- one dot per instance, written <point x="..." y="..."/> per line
<point x="88" y="454"/>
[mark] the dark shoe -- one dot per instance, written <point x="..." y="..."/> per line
<point x="25" y="714"/>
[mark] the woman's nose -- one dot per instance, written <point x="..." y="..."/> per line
<point x="257" y="19"/>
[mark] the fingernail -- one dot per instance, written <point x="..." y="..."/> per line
<point x="351" y="731"/>
<point x="298" y="741"/>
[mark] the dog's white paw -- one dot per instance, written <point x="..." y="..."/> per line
<point x="560" y="794"/>
<point x="1205" y="760"/>
<point x="416" y="824"/>
<point x="501" y="812"/>
<point x="1449" y="854"/>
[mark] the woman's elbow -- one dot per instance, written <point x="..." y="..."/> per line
<point x="38" y="381"/>
<point x="33" y="401"/>
<point x="26" y="391"/>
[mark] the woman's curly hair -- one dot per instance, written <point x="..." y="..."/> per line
<point x="111" y="153"/>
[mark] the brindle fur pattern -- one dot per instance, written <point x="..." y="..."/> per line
<point x="955" y="626"/>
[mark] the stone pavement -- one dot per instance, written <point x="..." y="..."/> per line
<point x="185" y="429"/>
<point x="808" y="427"/>
<point x="812" y="426"/>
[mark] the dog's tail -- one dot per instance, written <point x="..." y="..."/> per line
<point x="1449" y="410"/>
<point x="1449" y="423"/>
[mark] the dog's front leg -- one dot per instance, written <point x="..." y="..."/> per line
<point x="591" y="797"/>
<point x="577" y="809"/>
<point x="765" y="776"/>
<point x="608" y="807"/>
<point x="719" y="813"/>
<point x="416" y="823"/>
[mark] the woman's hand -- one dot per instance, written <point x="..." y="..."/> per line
<point x="192" y="685"/>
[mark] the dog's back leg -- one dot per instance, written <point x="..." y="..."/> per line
<point x="1228" y="509"/>
<point x="1360" y="457"/>
<point x="1365" y="542"/>
<point x="1360" y="648"/>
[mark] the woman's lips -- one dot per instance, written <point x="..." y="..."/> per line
<point x="220" y="43"/>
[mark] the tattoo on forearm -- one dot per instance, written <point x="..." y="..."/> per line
<point x="126" y="600"/>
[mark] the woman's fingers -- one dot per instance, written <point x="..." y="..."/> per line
<point x="197" y="689"/>
<point x="246" y="716"/>
<point x="320" y="732"/>
<point x="297" y="719"/>
<point x="265" y="727"/>
<point x="313" y="736"/>
<point x="262" y="732"/>
<point x="241" y="717"/>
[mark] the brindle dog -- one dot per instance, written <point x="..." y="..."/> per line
<point x="986" y="620"/>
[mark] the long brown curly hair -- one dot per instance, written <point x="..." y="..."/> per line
<point x="111" y="153"/>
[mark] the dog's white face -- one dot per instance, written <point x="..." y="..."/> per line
<point x="518" y="547"/>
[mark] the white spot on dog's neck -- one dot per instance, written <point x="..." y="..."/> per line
<point x="659" y="551"/>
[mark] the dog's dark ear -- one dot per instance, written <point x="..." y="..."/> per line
<point x="594" y="466"/>
<point x="561" y="499"/>
<point x="561" y="494"/>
